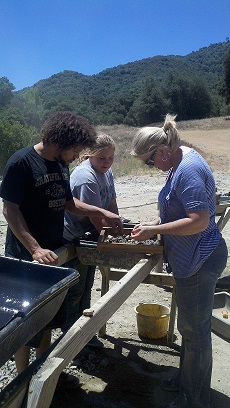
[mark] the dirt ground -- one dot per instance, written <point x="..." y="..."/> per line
<point x="127" y="372"/>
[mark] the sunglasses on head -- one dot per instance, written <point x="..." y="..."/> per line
<point x="150" y="161"/>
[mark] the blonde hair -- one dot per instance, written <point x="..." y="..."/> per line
<point x="149" y="139"/>
<point x="102" y="142"/>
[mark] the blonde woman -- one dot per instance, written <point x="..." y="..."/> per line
<point x="91" y="182"/>
<point x="194" y="250"/>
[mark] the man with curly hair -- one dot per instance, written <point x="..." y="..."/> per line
<point x="36" y="192"/>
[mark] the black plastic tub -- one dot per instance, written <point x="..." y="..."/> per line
<point x="30" y="296"/>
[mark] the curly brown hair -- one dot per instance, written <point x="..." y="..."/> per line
<point x="67" y="130"/>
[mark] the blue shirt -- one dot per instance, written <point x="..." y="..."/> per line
<point x="192" y="188"/>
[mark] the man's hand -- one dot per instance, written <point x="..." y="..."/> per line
<point x="86" y="210"/>
<point x="45" y="256"/>
<point x="114" y="221"/>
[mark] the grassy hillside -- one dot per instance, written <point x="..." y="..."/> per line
<point x="125" y="164"/>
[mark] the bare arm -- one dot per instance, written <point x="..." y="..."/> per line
<point x="99" y="223"/>
<point x="195" y="222"/>
<point x="20" y="229"/>
<point x="154" y="222"/>
<point x="86" y="210"/>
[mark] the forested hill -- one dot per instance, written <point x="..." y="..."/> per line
<point x="139" y="93"/>
<point x="136" y="93"/>
<point x="206" y="64"/>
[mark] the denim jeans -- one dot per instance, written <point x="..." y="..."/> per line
<point x="79" y="295"/>
<point x="195" y="296"/>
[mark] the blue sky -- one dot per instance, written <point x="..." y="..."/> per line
<point x="39" y="38"/>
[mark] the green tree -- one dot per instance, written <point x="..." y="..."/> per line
<point x="26" y="108"/>
<point x="6" y="88"/>
<point x="14" y="136"/>
<point x="200" y="103"/>
<point x="177" y="91"/>
<point x="149" y="106"/>
<point x="189" y="99"/>
<point x="225" y="87"/>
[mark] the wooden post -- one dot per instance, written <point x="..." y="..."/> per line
<point x="172" y="318"/>
<point x="104" y="289"/>
<point x="159" y="265"/>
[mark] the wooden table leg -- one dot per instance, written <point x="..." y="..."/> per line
<point x="104" y="289"/>
<point x="159" y="266"/>
<point x="172" y="317"/>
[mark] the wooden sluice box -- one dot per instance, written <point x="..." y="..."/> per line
<point x="116" y="254"/>
<point x="110" y="242"/>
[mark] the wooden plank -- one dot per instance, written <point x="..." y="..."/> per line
<point x="153" y="278"/>
<point x="65" y="254"/>
<point x="104" y="308"/>
<point x="102" y="246"/>
<point x="46" y="382"/>
<point x="85" y="327"/>
<point x="14" y="394"/>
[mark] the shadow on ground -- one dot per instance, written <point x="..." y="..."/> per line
<point x="129" y="378"/>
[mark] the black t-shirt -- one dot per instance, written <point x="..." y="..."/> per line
<point x="41" y="188"/>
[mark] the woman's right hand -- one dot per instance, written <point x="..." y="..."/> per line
<point x="142" y="232"/>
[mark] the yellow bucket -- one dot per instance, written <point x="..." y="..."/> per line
<point x="152" y="320"/>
